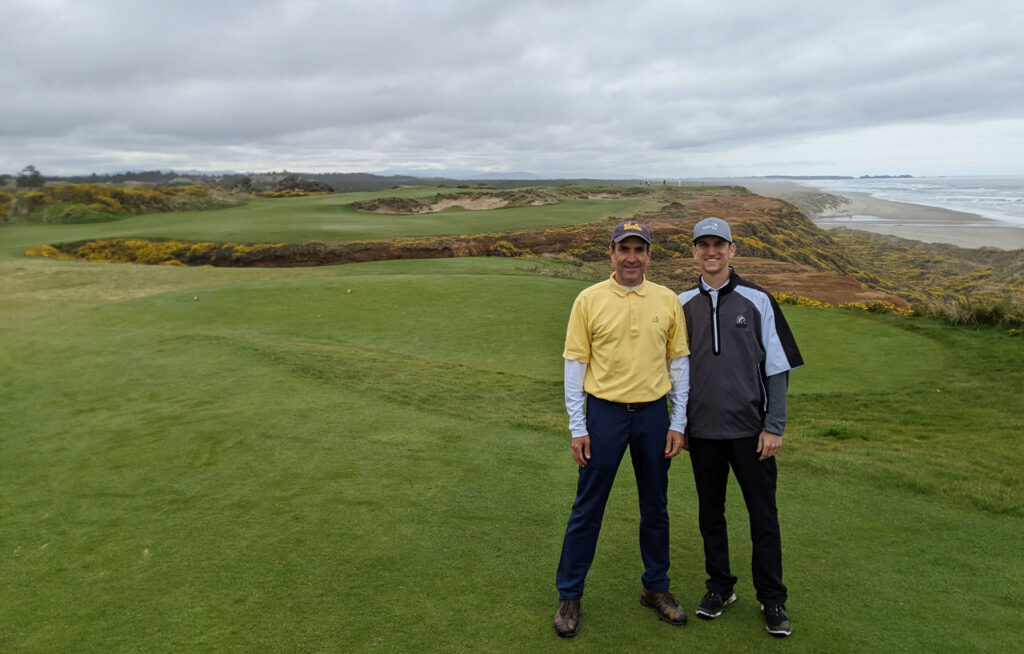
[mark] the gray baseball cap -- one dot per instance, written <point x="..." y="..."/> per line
<point x="712" y="227"/>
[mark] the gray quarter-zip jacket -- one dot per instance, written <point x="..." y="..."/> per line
<point x="738" y="340"/>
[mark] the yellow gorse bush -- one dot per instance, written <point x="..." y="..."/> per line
<point x="6" y="199"/>
<point x="48" y="252"/>
<point x="114" y="201"/>
<point x="133" y="250"/>
<point x="875" y="306"/>
<point x="503" y="249"/>
<point x="120" y="200"/>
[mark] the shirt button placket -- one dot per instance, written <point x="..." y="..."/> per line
<point x="634" y="321"/>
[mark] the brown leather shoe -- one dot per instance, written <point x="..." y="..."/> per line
<point x="667" y="607"/>
<point x="567" y="618"/>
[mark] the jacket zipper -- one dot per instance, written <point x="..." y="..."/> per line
<point x="716" y="346"/>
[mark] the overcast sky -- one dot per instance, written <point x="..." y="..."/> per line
<point x="674" y="88"/>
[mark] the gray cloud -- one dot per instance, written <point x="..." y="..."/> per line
<point x="600" y="88"/>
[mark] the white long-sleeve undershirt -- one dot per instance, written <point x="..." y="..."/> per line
<point x="576" y="371"/>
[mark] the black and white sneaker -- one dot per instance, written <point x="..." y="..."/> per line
<point x="713" y="603"/>
<point x="776" y="622"/>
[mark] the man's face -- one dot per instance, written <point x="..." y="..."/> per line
<point x="713" y="253"/>
<point x="630" y="257"/>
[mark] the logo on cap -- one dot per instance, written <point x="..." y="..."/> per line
<point x="712" y="227"/>
<point x="630" y="228"/>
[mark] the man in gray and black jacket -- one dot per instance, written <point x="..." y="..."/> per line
<point x="741" y="352"/>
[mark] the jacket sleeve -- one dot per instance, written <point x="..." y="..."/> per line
<point x="775" y="418"/>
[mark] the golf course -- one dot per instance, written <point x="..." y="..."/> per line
<point x="374" y="457"/>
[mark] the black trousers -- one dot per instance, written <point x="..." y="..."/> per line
<point x="711" y="460"/>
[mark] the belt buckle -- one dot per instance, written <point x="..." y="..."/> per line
<point x="632" y="407"/>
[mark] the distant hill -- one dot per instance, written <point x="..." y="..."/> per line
<point x="340" y="182"/>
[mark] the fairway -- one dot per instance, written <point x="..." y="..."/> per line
<point x="327" y="218"/>
<point x="374" y="457"/>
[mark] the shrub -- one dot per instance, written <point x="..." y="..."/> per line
<point x="295" y="183"/>
<point x="46" y="251"/>
<point x="66" y="214"/>
<point x="661" y="253"/>
<point x="877" y="306"/>
<point x="1006" y="311"/>
<point x="34" y="201"/>
<point x="94" y="198"/>
<point x="680" y="245"/>
<point x="800" y="301"/>
<point x="504" y="249"/>
<point x="173" y="253"/>
<point x="874" y="306"/>
<point x="392" y="205"/>
<point x="6" y="201"/>
<point x="591" y="251"/>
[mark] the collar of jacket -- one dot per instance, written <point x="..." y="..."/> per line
<point x="729" y="286"/>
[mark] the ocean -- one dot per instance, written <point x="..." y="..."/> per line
<point x="998" y="198"/>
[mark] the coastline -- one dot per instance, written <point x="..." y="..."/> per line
<point x="904" y="220"/>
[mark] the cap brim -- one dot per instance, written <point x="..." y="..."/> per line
<point x="696" y="238"/>
<point x="623" y="237"/>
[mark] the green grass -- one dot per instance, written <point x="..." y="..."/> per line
<point x="931" y="407"/>
<point x="326" y="218"/>
<point x="261" y="460"/>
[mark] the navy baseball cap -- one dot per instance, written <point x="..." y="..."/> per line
<point x="712" y="227"/>
<point x="631" y="228"/>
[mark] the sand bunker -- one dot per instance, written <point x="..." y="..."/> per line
<point x="475" y="203"/>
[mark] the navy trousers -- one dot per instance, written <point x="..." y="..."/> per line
<point x="711" y="460"/>
<point x="612" y="429"/>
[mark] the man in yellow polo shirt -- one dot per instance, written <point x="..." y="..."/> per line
<point x="625" y="353"/>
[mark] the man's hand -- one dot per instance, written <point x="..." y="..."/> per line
<point x="674" y="443"/>
<point x="581" y="450"/>
<point x="768" y="445"/>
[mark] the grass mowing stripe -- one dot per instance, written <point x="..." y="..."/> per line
<point x="495" y="397"/>
<point x="266" y="505"/>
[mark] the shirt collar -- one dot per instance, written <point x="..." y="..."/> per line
<point x="705" y="286"/>
<point x="621" y="290"/>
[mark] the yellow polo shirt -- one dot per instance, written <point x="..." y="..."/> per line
<point x="625" y="337"/>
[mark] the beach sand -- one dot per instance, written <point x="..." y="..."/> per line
<point x="905" y="220"/>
